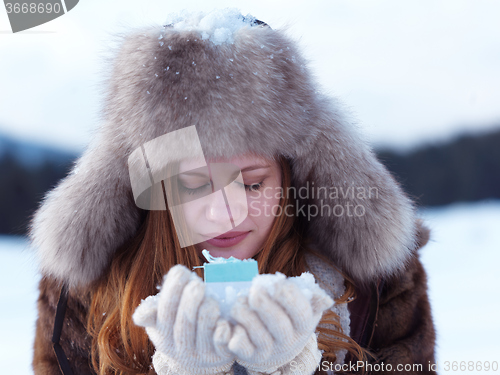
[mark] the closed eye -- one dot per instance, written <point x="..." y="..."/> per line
<point x="192" y="191"/>
<point x="253" y="187"/>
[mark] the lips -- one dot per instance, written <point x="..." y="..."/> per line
<point x="228" y="239"/>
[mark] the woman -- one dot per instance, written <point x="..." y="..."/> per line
<point x="111" y="230"/>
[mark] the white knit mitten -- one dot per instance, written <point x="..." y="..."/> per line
<point x="273" y="330"/>
<point x="185" y="327"/>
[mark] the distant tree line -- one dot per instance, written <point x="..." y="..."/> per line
<point x="23" y="186"/>
<point x="465" y="169"/>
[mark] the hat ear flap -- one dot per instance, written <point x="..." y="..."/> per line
<point x="362" y="219"/>
<point x="86" y="217"/>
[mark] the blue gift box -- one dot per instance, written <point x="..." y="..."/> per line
<point x="219" y="270"/>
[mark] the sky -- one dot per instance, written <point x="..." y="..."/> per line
<point x="409" y="72"/>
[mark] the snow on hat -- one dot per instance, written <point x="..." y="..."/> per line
<point x="246" y="87"/>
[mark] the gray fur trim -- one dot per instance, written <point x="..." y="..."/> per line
<point x="255" y="95"/>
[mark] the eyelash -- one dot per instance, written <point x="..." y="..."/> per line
<point x="193" y="191"/>
<point x="254" y="187"/>
<point x="250" y="188"/>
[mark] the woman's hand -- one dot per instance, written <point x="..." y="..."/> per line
<point x="274" y="330"/>
<point x="185" y="327"/>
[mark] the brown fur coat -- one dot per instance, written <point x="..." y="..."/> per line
<point x="393" y="321"/>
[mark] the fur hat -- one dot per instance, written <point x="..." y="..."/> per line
<point x="247" y="89"/>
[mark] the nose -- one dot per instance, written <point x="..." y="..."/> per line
<point x="217" y="210"/>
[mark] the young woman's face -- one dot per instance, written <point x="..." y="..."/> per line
<point x="220" y="224"/>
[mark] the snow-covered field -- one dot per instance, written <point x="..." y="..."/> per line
<point x="18" y="295"/>
<point x="462" y="261"/>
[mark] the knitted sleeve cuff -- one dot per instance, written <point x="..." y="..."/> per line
<point x="305" y="363"/>
<point x="163" y="365"/>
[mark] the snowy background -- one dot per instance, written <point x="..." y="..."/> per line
<point x="461" y="260"/>
<point x="411" y="71"/>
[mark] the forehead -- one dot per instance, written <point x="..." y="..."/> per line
<point x="241" y="161"/>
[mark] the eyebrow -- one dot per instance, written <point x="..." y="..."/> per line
<point x="250" y="168"/>
<point x="194" y="172"/>
<point x="254" y="167"/>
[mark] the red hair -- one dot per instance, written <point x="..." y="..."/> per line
<point x="121" y="347"/>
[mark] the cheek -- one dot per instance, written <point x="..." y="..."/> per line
<point x="262" y="208"/>
<point x="192" y="214"/>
